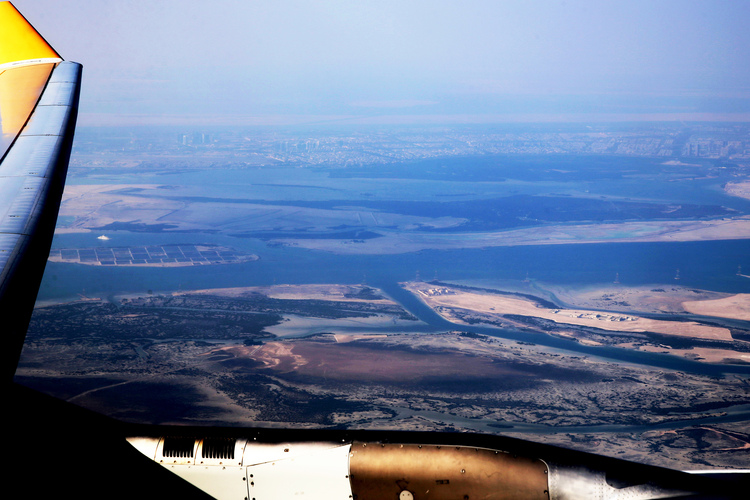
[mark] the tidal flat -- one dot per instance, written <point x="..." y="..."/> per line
<point x="599" y="316"/>
<point x="109" y="357"/>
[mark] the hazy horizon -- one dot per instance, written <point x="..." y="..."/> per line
<point x="232" y="62"/>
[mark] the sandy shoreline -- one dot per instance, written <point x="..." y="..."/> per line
<point x="333" y="292"/>
<point x="734" y="307"/>
<point x="469" y="306"/>
<point x="657" y="298"/>
<point x="602" y="309"/>
<point x="631" y="232"/>
<point x="441" y="298"/>
<point x="739" y="189"/>
<point x="302" y="326"/>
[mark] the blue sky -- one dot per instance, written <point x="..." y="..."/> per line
<point x="240" y="61"/>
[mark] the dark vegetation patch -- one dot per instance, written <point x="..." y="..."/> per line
<point x="241" y="364"/>
<point x="464" y="385"/>
<point x="64" y="387"/>
<point x="737" y="334"/>
<point x="136" y="227"/>
<point x="558" y="373"/>
<point x="497" y="168"/>
<point x="259" y="303"/>
<point x="202" y="317"/>
<point x="364" y="293"/>
<point x="279" y="403"/>
<point x="696" y="408"/>
<point x="351" y="234"/>
<point x="139" y="320"/>
<point x="153" y="402"/>
<point x="676" y="342"/>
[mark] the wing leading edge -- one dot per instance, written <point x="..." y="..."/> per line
<point x="39" y="95"/>
<point x="54" y="447"/>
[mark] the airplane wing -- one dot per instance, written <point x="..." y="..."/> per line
<point x="55" y="447"/>
<point x="38" y="108"/>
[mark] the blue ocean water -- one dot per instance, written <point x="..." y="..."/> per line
<point x="709" y="265"/>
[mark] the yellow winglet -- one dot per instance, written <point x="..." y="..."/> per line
<point x="19" y="41"/>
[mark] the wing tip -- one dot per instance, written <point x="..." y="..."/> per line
<point x="19" y="41"/>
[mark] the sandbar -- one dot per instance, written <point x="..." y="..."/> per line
<point x="739" y="189"/>
<point x="304" y="326"/>
<point x="734" y="307"/>
<point x="395" y="242"/>
<point x="383" y="316"/>
<point x="444" y="298"/>
<point x="651" y="299"/>
<point x="97" y="206"/>
<point x="333" y="292"/>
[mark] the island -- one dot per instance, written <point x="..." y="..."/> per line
<point x="694" y="339"/>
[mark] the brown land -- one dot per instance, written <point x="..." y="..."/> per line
<point x="740" y="189"/>
<point x="338" y="293"/>
<point x="351" y="362"/>
<point x="384" y="312"/>
<point x="444" y="299"/>
<point x="453" y="381"/>
<point x="651" y="299"/>
<point x="543" y="386"/>
<point x="593" y="312"/>
<point x="95" y="206"/>
<point x="735" y="307"/>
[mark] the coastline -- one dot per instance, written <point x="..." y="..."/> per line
<point x="737" y="228"/>
<point x="592" y="327"/>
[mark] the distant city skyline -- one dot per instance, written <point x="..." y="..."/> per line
<point x="231" y="62"/>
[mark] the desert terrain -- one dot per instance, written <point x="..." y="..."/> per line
<point x="468" y="305"/>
